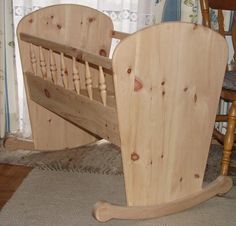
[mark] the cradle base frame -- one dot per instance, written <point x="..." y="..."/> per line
<point x="104" y="211"/>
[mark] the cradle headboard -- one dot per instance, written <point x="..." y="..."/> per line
<point x="75" y="26"/>
<point x="166" y="123"/>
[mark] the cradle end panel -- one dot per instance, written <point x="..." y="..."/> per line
<point x="168" y="80"/>
<point x="75" y="26"/>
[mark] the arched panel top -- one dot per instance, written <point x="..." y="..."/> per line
<point x="74" y="25"/>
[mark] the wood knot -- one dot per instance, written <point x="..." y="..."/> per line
<point x="59" y="26"/>
<point x="129" y="70"/>
<point x="31" y="20"/>
<point x="134" y="156"/>
<point x="163" y="93"/>
<point x="180" y="179"/>
<point x="195" y="98"/>
<point x="196" y="176"/>
<point x="185" y="89"/>
<point x="52" y="16"/>
<point x="47" y="94"/>
<point x="137" y="84"/>
<point x="163" y="83"/>
<point x="49" y="120"/>
<point x="102" y="52"/>
<point x="91" y="19"/>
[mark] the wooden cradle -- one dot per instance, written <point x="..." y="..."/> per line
<point x="152" y="99"/>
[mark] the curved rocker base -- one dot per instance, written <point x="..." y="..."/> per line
<point x="104" y="211"/>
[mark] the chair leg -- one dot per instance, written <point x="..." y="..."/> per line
<point x="229" y="140"/>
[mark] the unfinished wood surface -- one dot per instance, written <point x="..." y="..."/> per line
<point x="64" y="72"/>
<point x="79" y="54"/>
<point x="57" y="23"/>
<point x="166" y="126"/>
<point x="12" y="143"/>
<point x="102" y="86"/>
<point x="91" y="115"/>
<point x="76" y="77"/>
<point x="88" y="81"/>
<point x="33" y="60"/>
<point x="104" y="211"/>
<point x="42" y="63"/>
<point x="119" y="35"/>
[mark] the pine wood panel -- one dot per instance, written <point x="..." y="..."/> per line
<point x="89" y="114"/>
<point x="166" y="126"/>
<point x="76" y="26"/>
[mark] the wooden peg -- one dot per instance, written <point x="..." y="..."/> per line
<point x="76" y="77"/>
<point x="64" y="72"/>
<point x="42" y="63"/>
<point x="33" y="59"/>
<point x="53" y="67"/>
<point x="88" y="81"/>
<point x="102" y="86"/>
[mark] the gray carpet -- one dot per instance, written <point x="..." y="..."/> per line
<point x="53" y="198"/>
<point x="101" y="158"/>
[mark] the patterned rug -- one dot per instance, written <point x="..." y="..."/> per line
<point x="101" y="158"/>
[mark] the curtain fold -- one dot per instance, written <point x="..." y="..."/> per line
<point x="8" y="83"/>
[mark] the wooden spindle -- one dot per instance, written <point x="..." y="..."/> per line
<point x="88" y="80"/>
<point x="53" y="67"/>
<point x="102" y="86"/>
<point x="42" y="63"/>
<point x="33" y="59"/>
<point x="64" y="72"/>
<point x="76" y="77"/>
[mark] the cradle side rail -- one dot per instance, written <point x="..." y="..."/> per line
<point x="89" y="107"/>
<point x="119" y="35"/>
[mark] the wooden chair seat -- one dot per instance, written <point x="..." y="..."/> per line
<point x="230" y="81"/>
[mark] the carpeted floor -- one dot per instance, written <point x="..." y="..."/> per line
<point x="101" y="158"/>
<point x="64" y="186"/>
<point x="55" y="198"/>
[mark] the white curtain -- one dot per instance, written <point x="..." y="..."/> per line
<point x="8" y="82"/>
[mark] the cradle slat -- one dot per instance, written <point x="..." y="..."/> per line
<point x="53" y="67"/>
<point x="64" y="72"/>
<point x="33" y="59"/>
<point x="91" y="115"/>
<point x="88" y="80"/>
<point x="42" y="63"/>
<point x="102" y="86"/>
<point x="76" y="77"/>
